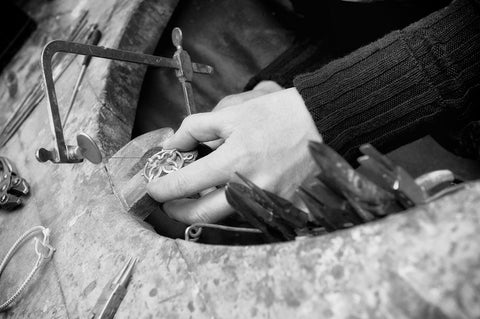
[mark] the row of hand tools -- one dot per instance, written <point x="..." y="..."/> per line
<point x="339" y="197"/>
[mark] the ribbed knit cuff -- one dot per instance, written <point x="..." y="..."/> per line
<point x="400" y="87"/>
<point x="303" y="56"/>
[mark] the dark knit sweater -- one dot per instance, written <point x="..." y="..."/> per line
<point x="423" y="79"/>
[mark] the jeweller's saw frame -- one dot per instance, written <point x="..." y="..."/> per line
<point x="86" y="147"/>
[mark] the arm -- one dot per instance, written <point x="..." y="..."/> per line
<point x="423" y="78"/>
<point x="381" y="93"/>
<point x="327" y="30"/>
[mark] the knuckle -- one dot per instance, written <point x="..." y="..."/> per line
<point x="189" y="121"/>
<point x="229" y="99"/>
<point x="244" y="157"/>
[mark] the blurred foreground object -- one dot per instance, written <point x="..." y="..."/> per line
<point x="339" y="197"/>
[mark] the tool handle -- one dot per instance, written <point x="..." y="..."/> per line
<point x="93" y="39"/>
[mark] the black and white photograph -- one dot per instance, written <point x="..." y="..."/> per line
<point x="264" y="159"/>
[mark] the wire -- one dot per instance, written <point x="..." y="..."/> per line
<point x="43" y="250"/>
<point x="193" y="232"/>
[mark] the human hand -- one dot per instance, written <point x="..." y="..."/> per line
<point x="262" y="88"/>
<point x="264" y="138"/>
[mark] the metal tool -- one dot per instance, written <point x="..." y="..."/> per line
<point x="113" y="293"/>
<point x="366" y="198"/>
<point x="331" y="218"/>
<point x="184" y="72"/>
<point x="241" y="199"/>
<point x="291" y="215"/>
<point x="193" y="232"/>
<point x="275" y="217"/>
<point x="393" y="178"/>
<point x="93" y="38"/>
<point x="69" y="154"/>
<point x="12" y="186"/>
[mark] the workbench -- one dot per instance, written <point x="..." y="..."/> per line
<point x="424" y="263"/>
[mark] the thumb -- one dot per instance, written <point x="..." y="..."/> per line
<point x="207" y="209"/>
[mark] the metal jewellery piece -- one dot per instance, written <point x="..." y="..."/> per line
<point x="44" y="252"/>
<point x="167" y="161"/>
<point x="63" y="153"/>
<point x="12" y="186"/>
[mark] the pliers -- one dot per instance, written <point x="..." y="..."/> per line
<point x="12" y="186"/>
<point x="113" y="293"/>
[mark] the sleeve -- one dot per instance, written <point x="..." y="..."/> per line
<point x="303" y="56"/>
<point x="310" y="50"/>
<point x="409" y="83"/>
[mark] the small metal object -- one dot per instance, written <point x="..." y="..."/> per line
<point x="193" y="232"/>
<point x="181" y="62"/>
<point x="113" y="293"/>
<point x="429" y="181"/>
<point x="167" y="161"/>
<point x="12" y="186"/>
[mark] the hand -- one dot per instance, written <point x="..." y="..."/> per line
<point x="262" y="88"/>
<point x="264" y="138"/>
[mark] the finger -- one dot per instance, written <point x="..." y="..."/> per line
<point x="200" y="127"/>
<point x="236" y="99"/>
<point x="208" y="209"/>
<point x="209" y="171"/>
<point x="215" y="144"/>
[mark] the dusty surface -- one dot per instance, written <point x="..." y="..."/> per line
<point x="424" y="263"/>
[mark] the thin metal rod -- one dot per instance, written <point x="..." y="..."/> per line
<point x="74" y="95"/>
<point x="188" y="95"/>
<point x="190" y="230"/>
